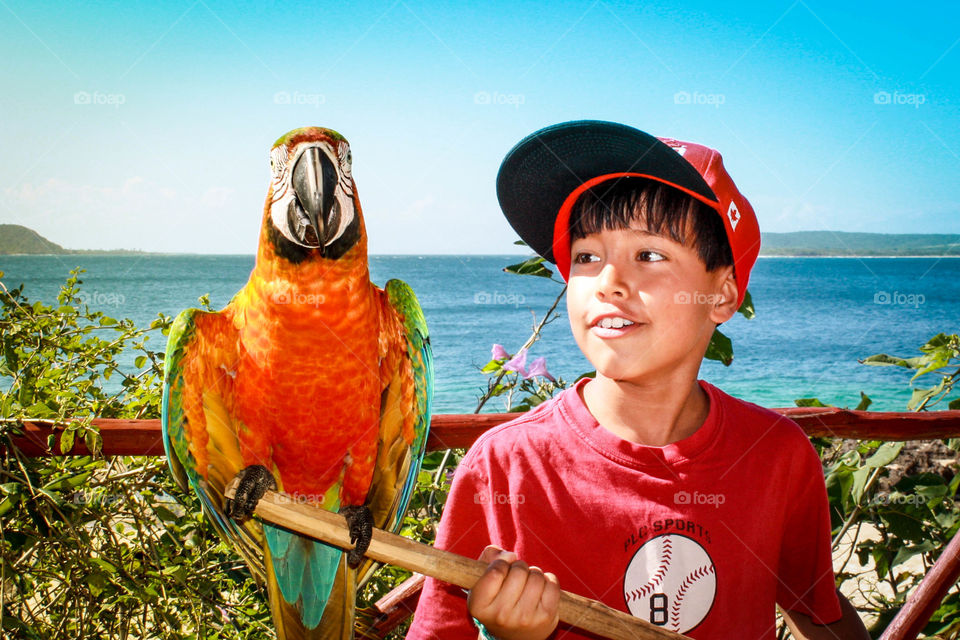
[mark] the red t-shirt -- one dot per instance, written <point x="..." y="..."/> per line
<point x="702" y="536"/>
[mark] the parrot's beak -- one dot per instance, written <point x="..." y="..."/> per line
<point x="313" y="215"/>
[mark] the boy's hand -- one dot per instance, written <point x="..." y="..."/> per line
<point x="512" y="600"/>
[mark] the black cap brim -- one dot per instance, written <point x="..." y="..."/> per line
<point x="544" y="168"/>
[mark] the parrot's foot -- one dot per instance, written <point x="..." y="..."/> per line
<point x="251" y="483"/>
<point x="360" y="521"/>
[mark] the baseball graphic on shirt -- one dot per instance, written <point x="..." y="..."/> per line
<point x="671" y="582"/>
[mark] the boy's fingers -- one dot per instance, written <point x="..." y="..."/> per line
<point x="530" y="598"/>
<point x="513" y="584"/>
<point x="490" y="585"/>
<point x="489" y="552"/>
<point x="550" y="600"/>
<point x="492" y="552"/>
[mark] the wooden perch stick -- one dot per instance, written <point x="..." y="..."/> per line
<point x="323" y="525"/>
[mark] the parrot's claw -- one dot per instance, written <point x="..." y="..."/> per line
<point x="251" y="483"/>
<point x="360" y="521"/>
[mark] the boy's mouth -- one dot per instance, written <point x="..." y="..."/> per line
<point x="612" y="326"/>
<point x="613" y="322"/>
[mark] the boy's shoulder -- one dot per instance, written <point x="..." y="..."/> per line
<point x="756" y="426"/>
<point x="536" y="424"/>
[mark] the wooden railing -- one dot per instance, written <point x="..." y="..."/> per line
<point x="447" y="431"/>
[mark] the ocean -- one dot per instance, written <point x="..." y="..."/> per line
<point x="815" y="317"/>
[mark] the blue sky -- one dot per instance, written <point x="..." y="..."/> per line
<point x="148" y="125"/>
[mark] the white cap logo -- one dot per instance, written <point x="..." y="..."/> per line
<point x="733" y="214"/>
<point x="681" y="149"/>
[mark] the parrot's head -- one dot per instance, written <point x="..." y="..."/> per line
<point x="312" y="207"/>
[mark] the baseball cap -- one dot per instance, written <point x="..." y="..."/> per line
<point x="542" y="177"/>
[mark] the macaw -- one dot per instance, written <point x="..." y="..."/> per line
<point x="313" y="381"/>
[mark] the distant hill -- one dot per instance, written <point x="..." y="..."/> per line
<point x="17" y="239"/>
<point x="843" y="243"/>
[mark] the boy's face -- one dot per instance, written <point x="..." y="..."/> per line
<point x="643" y="307"/>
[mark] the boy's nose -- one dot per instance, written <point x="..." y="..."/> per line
<point x="610" y="283"/>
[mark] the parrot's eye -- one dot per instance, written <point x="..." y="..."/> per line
<point x="346" y="158"/>
<point x="278" y="160"/>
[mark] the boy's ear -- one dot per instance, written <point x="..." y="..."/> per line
<point x="726" y="304"/>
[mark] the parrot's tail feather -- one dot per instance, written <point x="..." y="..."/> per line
<point x="312" y="590"/>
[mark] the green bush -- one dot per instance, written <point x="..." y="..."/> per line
<point x="93" y="547"/>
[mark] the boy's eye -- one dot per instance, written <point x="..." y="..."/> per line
<point x="650" y="256"/>
<point x="584" y="257"/>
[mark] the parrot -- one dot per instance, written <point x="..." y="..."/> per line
<point x="312" y="381"/>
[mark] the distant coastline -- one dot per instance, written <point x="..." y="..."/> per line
<point x="17" y="240"/>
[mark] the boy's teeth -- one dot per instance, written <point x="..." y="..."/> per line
<point x="614" y="323"/>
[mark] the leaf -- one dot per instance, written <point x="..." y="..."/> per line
<point x="865" y="402"/>
<point x="94" y="442"/>
<point x="746" y="307"/>
<point x="908" y="551"/>
<point x="67" y="482"/>
<point x="954" y="404"/>
<point x="720" y="348"/>
<point x="530" y="267"/>
<point x="939" y="340"/>
<point x="859" y="482"/>
<point x="66" y="441"/>
<point x="96" y="582"/>
<point x="492" y="367"/>
<point x="884" y="455"/>
<point x="883" y="360"/>
<point x="920" y="395"/>
<point x="902" y="525"/>
<point x="140" y="361"/>
<point x="810" y="402"/>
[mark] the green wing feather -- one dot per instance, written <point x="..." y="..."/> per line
<point x="399" y="456"/>
<point x="420" y="354"/>
<point x="186" y="339"/>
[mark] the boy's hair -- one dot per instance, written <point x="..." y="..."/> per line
<point x="665" y="211"/>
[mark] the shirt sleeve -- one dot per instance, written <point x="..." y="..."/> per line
<point x="806" y="581"/>
<point x="442" y="611"/>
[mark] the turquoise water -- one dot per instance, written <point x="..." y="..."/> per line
<point x="815" y="316"/>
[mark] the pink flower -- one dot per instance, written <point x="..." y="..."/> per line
<point x="539" y="368"/>
<point x="518" y="363"/>
<point x="498" y="352"/>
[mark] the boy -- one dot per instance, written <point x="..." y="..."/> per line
<point x="644" y="488"/>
